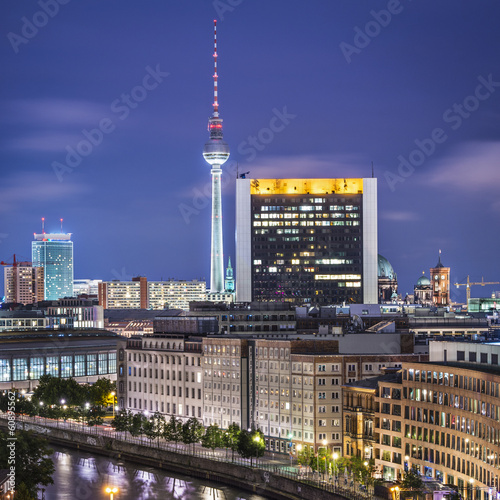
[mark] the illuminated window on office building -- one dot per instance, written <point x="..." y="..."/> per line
<point x="91" y="364"/>
<point x="4" y="370"/>
<point x="36" y="368"/>
<point x="52" y="367"/>
<point x="79" y="365"/>
<point x="20" y="369"/>
<point x="112" y="362"/>
<point x="66" y="366"/>
<point x="103" y="363"/>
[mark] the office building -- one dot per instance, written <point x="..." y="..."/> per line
<point x="84" y="355"/>
<point x="141" y="294"/>
<point x="54" y="252"/>
<point x="86" y="287"/>
<point x="440" y="417"/>
<point x="311" y="241"/>
<point x="23" y="283"/>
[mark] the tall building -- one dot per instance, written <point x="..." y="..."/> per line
<point x="440" y="281"/>
<point x="216" y="153"/>
<point x="54" y="252"/>
<point x="306" y="240"/>
<point x="229" y="283"/>
<point x="23" y="283"/>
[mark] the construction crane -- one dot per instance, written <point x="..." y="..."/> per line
<point x="13" y="264"/>
<point x="470" y="283"/>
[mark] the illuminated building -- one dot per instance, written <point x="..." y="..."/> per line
<point x="141" y="294"/>
<point x="54" y="252"/>
<point x="216" y="153"/>
<point x="440" y="284"/>
<point x="229" y="283"/>
<point x="23" y="283"/>
<point x="387" y="281"/>
<point x="306" y="240"/>
<point x="85" y="355"/>
<point x="423" y="290"/>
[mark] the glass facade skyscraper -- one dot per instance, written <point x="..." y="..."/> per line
<point x="54" y="252"/>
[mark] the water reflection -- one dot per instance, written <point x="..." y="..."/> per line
<point x="81" y="476"/>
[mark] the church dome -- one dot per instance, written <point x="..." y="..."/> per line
<point x="385" y="269"/>
<point x="423" y="280"/>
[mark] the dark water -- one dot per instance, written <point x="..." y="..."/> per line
<point x="82" y="476"/>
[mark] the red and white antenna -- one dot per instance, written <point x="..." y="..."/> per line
<point x="43" y="225"/>
<point x="61" y="226"/>
<point x="216" y="101"/>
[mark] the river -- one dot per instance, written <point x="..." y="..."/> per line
<point x="80" y="475"/>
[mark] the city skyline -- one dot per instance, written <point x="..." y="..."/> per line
<point x="322" y="91"/>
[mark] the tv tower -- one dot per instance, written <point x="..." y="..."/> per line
<point x="216" y="153"/>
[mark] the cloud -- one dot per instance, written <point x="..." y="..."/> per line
<point x="303" y="166"/>
<point x="52" y="112"/>
<point x="399" y="216"/>
<point x="43" y="141"/>
<point x="34" y="188"/>
<point x="472" y="167"/>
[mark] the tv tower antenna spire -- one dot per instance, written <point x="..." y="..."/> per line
<point x="216" y="100"/>
<point x="216" y="153"/>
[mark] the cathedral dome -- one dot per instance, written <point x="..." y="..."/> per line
<point x="423" y="280"/>
<point x="385" y="270"/>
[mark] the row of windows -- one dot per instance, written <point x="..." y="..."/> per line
<point x="450" y="421"/>
<point x="195" y="361"/>
<point x="79" y="365"/>
<point x="449" y="379"/>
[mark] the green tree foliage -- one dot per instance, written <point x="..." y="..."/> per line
<point x="32" y="462"/>
<point x="230" y="438"/>
<point x="412" y="480"/>
<point x="94" y="415"/>
<point x="305" y="456"/>
<point x="153" y="427"/>
<point x="136" y="427"/>
<point x="51" y="390"/>
<point x="251" y="444"/>
<point x="122" y="421"/>
<point x="173" y="430"/>
<point x="192" y="431"/>
<point x="100" y="392"/>
<point x="213" y="437"/>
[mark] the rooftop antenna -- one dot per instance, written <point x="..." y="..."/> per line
<point x="372" y="171"/>
<point x="43" y="225"/>
<point x="216" y="101"/>
<point x="61" y="226"/>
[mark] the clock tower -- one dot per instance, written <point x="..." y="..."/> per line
<point x="440" y="283"/>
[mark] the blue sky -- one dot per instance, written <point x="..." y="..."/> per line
<point x="412" y="86"/>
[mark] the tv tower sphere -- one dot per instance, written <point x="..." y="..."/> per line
<point x="216" y="153"/>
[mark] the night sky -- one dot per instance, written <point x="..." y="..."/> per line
<point x="413" y="86"/>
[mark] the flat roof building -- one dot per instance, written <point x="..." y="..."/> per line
<point x="306" y="240"/>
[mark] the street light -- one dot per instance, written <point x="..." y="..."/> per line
<point x="111" y="491"/>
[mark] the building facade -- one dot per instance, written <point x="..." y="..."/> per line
<point x="306" y="240"/>
<point x="440" y="284"/>
<point x="54" y="252"/>
<point x="83" y="355"/>
<point x="141" y="294"/>
<point x="23" y="283"/>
